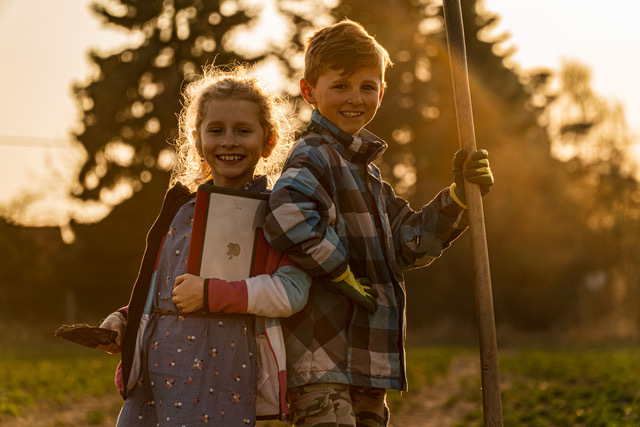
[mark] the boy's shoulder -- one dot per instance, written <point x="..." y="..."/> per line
<point x="311" y="144"/>
<point x="314" y="136"/>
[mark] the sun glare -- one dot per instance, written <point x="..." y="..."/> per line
<point x="267" y="29"/>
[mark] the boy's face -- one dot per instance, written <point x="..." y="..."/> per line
<point x="349" y="102"/>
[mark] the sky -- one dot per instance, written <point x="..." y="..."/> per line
<point x="37" y="111"/>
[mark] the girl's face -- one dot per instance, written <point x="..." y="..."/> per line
<point x="232" y="140"/>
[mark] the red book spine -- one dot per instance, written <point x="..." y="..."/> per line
<point x="197" y="233"/>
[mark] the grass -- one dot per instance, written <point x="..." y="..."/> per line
<point x="540" y="386"/>
<point x="565" y="387"/>
<point x="56" y="374"/>
<point x="557" y="386"/>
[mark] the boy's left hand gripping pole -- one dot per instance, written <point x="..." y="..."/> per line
<point x="491" y="400"/>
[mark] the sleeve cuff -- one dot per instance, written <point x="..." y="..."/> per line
<point x="227" y="297"/>
<point x="343" y="276"/>
<point x="338" y="274"/>
<point x="454" y="196"/>
<point x="205" y="296"/>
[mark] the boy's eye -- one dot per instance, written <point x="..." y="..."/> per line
<point x="244" y="130"/>
<point x="215" y="130"/>
<point x="370" y="87"/>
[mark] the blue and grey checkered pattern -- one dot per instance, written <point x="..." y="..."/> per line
<point x="330" y="208"/>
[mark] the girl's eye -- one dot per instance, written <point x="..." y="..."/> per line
<point x="340" y="86"/>
<point x="244" y="130"/>
<point x="215" y="130"/>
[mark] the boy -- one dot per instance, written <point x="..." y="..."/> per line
<point x="345" y="225"/>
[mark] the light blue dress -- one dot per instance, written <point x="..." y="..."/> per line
<point x="197" y="370"/>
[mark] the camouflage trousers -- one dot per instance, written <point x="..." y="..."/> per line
<point x="337" y="405"/>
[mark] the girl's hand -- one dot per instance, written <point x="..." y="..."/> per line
<point x="113" y="322"/>
<point x="188" y="293"/>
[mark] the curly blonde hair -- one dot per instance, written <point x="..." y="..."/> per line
<point x="229" y="82"/>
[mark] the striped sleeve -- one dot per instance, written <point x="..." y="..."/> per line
<point x="278" y="295"/>
<point x="301" y="214"/>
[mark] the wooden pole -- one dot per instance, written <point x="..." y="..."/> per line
<point x="491" y="400"/>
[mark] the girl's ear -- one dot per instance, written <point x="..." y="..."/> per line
<point x="269" y="145"/>
<point x="306" y="90"/>
<point x="194" y="135"/>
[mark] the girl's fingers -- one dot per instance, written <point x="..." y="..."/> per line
<point x="178" y="280"/>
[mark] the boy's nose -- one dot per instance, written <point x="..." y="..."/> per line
<point x="355" y="97"/>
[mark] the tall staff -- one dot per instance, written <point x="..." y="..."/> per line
<point x="491" y="400"/>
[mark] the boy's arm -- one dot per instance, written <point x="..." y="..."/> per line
<point x="302" y="213"/>
<point x="420" y="237"/>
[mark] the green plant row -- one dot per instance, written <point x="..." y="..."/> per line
<point x="540" y="387"/>
<point x="53" y="374"/>
<point x="567" y="387"/>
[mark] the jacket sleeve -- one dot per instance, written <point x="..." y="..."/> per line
<point x="273" y="295"/>
<point x="420" y="236"/>
<point x="302" y="214"/>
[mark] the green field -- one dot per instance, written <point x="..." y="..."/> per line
<point x="540" y="386"/>
<point x="55" y="376"/>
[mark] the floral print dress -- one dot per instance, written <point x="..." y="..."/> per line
<point x="198" y="368"/>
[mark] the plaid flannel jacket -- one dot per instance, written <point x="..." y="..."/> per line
<point x="330" y="208"/>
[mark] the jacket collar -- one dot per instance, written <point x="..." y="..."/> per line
<point x="362" y="148"/>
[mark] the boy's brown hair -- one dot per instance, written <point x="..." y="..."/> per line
<point x="346" y="46"/>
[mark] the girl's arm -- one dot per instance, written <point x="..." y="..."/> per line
<point x="273" y="295"/>
<point x="278" y="289"/>
<point x="116" y="321"/>
<point x="278" y="295"/>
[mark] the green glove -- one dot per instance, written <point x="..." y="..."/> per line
<point x="476" y="171"/>
<point x="358" y="290"/>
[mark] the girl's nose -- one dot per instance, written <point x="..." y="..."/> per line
<point x="229" y="140"/>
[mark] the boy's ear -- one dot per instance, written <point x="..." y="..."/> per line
<point x="380" y="96"/>
<point x="307" y="91"/>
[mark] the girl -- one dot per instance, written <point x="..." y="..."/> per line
<point x="186" y="360"/>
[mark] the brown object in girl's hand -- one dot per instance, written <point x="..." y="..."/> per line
<point x="88" y="336"/>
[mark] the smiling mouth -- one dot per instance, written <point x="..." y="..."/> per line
<point x="351" y="114"/>
<point x="230" y="157"/>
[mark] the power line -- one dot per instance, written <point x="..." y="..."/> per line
<point x="36" y="142"/>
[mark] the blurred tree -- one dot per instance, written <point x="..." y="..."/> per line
<point x="30" y="257"/>
<point x="592" y="137"/>
<point x="129" y="109"/>
<point x="129" y="115"/>
<point x="526" y="213"/>
<point x="128" y="121"/>
<point x="552" y="225"/>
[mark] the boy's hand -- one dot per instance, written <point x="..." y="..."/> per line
<point x="113" y="322"/>
<point x="358" y="290"/>
<point x="476" y="171"/>
<point x="188" y="293"/>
